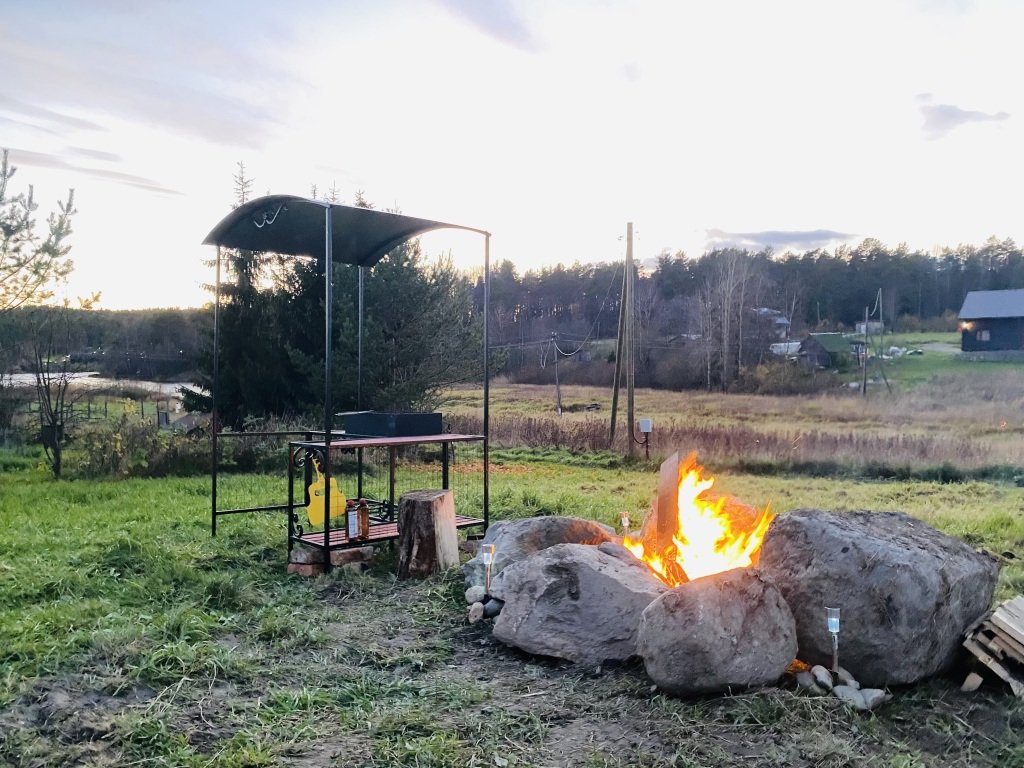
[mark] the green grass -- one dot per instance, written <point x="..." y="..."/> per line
<point x="129" y="636"/>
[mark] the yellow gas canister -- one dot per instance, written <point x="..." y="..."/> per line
<point x="315" y="510"/>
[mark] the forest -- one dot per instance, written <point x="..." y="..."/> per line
<point x="699" y="322"/>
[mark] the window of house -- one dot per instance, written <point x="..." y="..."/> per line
<point x="983" y="336"/>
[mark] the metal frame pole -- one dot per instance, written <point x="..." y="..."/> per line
<point x="359" y="344"/>
<point x="328" y="405"/>
<point x="487" y="379"/>
<point x="214" y="415"/>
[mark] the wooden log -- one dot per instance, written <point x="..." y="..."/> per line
<point x="666" y="511"/>
<point x="428" y="541"/>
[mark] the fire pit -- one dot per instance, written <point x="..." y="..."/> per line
<point x="714" y="595"/>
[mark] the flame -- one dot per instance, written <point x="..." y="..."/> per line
<point x="711" y="536"/>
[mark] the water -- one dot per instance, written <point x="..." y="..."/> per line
<point x="92" y="380"/>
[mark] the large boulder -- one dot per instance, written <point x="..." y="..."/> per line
<point x="906" y="591"/>
<point x="727" y="630"/>
<point x="515" y="539"/>
<point x="574" y="602"/>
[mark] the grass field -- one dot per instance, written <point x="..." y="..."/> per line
<point x="129" y="637"/>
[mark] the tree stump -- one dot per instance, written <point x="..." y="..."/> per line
<point x="427" y="538"/>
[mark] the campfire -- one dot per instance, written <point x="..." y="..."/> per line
<point x="690" y="534"/>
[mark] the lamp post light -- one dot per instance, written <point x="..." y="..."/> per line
<point x="832" y="622"/>
<point x="487" y="551"/>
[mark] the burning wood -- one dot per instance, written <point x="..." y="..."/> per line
<point x="690" y="534"/>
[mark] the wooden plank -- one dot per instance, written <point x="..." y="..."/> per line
<point x="1015" y="647"/>
<point x="1008" y="629"/>
<point x="1015" y="685"/>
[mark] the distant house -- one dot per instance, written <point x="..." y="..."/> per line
<point x="874" y="327"/>
<point x="992" y="321"/>
<point x="773" y="320"/>
<point x="829" y="350"/>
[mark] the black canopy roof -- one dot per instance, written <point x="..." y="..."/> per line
<point x="296" y="226"/>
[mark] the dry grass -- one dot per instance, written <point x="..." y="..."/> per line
<point x="952" y="420"/>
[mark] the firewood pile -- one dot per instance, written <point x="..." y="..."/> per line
<point x="997" y="641"/>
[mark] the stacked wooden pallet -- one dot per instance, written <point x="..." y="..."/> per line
<point x="997" y="640"/>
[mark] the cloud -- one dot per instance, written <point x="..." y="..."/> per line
<point x="198" y="69"/>
<point x="496" y="18"/>
<point x="43" y="160"/>
<point x="94" y="154"/>
<point x="778" y="240"/>
<point x="941" y="119"/>
<point x="56" y="119"/>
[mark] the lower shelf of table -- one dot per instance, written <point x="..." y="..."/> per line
<point x="378" y="532"/>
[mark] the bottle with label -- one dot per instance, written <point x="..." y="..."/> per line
<point x="352" y="520"/>
<point x="363" y="513"/>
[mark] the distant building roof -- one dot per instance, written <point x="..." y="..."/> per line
<point x="984" y="304"/>
<point x="832" y="342"/>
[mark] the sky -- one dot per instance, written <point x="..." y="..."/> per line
<point x="793" y="124"/>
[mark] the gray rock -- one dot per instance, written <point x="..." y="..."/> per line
<point x="492" y="608"/>
<point x="515" y="539"/>
<point x="475" y="594"/>
<point x="616" y="550"/>
<point x="845" y="678"/>
<point x="822" y="677"/>
<point x="806" y="680"/>
<point x="728" y="630"/>
<point x="873" y="697"/>
<point x="850" y="696"/>
<point x="574" y="602"/>
<point x="907" y="591"/>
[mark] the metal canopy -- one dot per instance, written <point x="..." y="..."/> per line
<point x="295" y="226"/>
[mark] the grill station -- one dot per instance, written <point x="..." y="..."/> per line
<point x="358" y="237"/>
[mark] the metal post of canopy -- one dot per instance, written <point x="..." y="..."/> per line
<point x="328" y="404"/>
<point x="213" y="407"/>
<point x="487" y="377"/>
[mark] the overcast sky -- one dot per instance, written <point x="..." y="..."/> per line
<point x="550" y="123"/>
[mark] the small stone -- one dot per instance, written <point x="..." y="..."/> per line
<point x="475" y="594"/>
<point x="305" y="555"/>
<point x="476" y="612"/>
<point x="822" y="677"/>
<point x="874" y="697"/>
<point x="972" y="683"/>
<point x="357" y="556"/>
<point x="850" y="696"/>
<point x="806" y="681"/>
<point x="845" y="678"/>
<point x="308" y="570"/>
<point x="493" y="607"/>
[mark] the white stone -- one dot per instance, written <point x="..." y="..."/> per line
<point x="475" y="594"/>
<point x="873" y="697"/>
<point x="850" y="696"/>
<point x="822" y="677"/>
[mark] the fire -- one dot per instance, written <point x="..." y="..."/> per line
<point x="712" y="535"/>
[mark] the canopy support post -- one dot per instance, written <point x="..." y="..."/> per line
<point x="487" y="378"/>
<point x="328" y="405"/>
<point x="214" y="415"/>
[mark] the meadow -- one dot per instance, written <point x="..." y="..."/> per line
<point x="129" y="636"/>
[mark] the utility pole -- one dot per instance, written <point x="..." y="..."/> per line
<point x="630" y="338"/>
<point x="558" y="388"/>
<point x="617" y="377"/>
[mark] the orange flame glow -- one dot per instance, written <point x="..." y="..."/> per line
<point x="711" y="535"/>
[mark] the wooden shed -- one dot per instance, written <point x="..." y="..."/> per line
<point x="992" y="321"/>
<point x="829" y="350"/>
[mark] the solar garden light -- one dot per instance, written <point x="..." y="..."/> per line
<point x="832" y="622"/>
<point x="487" y="551"/>
<point x="624" y="522"/>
